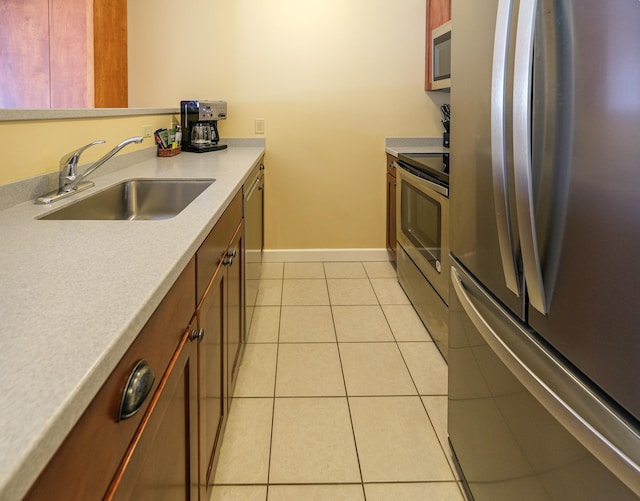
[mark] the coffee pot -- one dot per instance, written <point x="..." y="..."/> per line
<point x="201" y="134"/>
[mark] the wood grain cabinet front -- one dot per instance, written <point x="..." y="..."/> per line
<point x="161" y="463"/>
<point x="438" y="13"/>
<point x="85" y="464"/>
<point x="221" y="317"/>
<point x="193" y="342"/>
<point x="391" y="207"/>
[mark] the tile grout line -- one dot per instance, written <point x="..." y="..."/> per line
<point x="346" y="393"/>
<point x="275" y="380"/>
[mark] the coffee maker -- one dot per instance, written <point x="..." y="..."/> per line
<point x="200" y="125"/>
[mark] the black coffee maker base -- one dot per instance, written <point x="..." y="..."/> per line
<point x="204" y="149"/>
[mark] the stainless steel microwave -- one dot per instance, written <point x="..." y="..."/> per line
<point x="441" y="57"/>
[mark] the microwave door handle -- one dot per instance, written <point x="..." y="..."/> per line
<point x="522" y="159"/>
<point x="498" y="144"/>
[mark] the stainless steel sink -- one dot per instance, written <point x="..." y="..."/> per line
<point x="136" y="199"/>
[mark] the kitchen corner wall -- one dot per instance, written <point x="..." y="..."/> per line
<point x="330" y="78"/>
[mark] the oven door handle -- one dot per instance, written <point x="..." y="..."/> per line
<point x="434" y="186"/>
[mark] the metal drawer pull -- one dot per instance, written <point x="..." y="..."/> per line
<point x="228" y="260"/>
<point x="136" y="390"/>
<point x="197" y="335"/>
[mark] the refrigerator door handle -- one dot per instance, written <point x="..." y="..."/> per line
<point x="498" y="144"/>
<point x="571" y="403"/>
<point x="522" y="159"/>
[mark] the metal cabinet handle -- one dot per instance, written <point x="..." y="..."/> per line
<point x="197" y="335"/>
<point x="261" y="166"/>
<point x="228" y="259"/>
<point x="136" y="390"/>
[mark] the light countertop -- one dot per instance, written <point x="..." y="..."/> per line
<point x="396" y="145"/>
<point x="74" y="295"/>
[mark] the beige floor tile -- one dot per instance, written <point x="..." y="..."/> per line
<point x="313" y="442"/>
<point x="257" y="371"/>
<point x="239" y="493"/>
<point x="303" y="270"/>
<point x="380" y="269"/>
<point x="388" y="291"/>
<point x="375" y="369"/>
<point x="427" y="367"/>
<point x="253" y="271"/>
<point x="310" y="324"/>
<point x="269" y="293"/>
<point x="361" y="323"/>
<point x="309" y="370"/>
<point x="351" y="291"/>
<point x="405" y="323"/>
<point x="305" y="292"/>
<point x="433" y="491"/>
<point x="265" y="325"/>
<point x="316" y="493"/>
<point x="437" y="410"/>
<point x="396" y="442"/>
<point x="344" y="270"/>
<point x="244" y="457"/>
<point x="272" y="270"/>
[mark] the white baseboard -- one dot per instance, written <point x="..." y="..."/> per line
<point x="319" y="255"/>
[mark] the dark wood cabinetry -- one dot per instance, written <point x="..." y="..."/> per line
<point x="438" y="13"/>
<point x="86" y="462"/>
<point x="193" y="343"/>
<point x="160" y="463"/>
<point x="391" y="207"/>
<point x="220" y="315"/>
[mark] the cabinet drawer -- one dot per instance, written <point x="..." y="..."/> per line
<point x="85" y="463"/>
<point x="210" y="253"/>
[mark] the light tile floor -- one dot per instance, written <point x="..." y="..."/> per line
<point x="341" y="394"/>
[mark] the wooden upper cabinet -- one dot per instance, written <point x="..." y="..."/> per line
<point x="110" y="53"/>
<point x="63" y="54"/>
<point x="438" y="13"/>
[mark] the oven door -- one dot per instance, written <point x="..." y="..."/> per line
<point x="423" y="227"/>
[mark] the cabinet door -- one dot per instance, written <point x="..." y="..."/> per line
<point x="391" y="215"/>
<point x="438" y="13"/>
<point x="212" y="317"/>
<point x="235" y="310"/>
<point x="84" y="465"/>
<point x="161" y="463"/>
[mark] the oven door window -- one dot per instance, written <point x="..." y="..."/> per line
<point x="420" y="220"/>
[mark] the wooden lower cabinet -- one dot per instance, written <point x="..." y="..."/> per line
<point x="84" y="466"/>
<point x="391" y="207"/>
<point x="234" y="339"/>
<point x="161" y="464"/>
<point x="220" y="314"/>
<point x="193" y="343"/>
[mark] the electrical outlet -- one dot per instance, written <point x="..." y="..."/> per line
<point x="259" y="126"/>
<point x="147" y="131"/>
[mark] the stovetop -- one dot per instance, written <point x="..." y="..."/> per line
<point x="435" y="165"/>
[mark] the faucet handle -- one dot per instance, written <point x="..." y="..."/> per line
<point x="70" y="160"/>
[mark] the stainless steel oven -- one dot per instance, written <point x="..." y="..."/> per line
<point x="423" y="239"/>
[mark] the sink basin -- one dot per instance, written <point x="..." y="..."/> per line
<point x="136" y="199"/>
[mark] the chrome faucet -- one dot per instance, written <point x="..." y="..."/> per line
<point x="69" y="180"/>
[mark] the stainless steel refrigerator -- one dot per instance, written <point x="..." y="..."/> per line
<point x="544" y="355"/>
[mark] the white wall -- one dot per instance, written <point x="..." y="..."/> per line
<point x="331" y="78"/>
